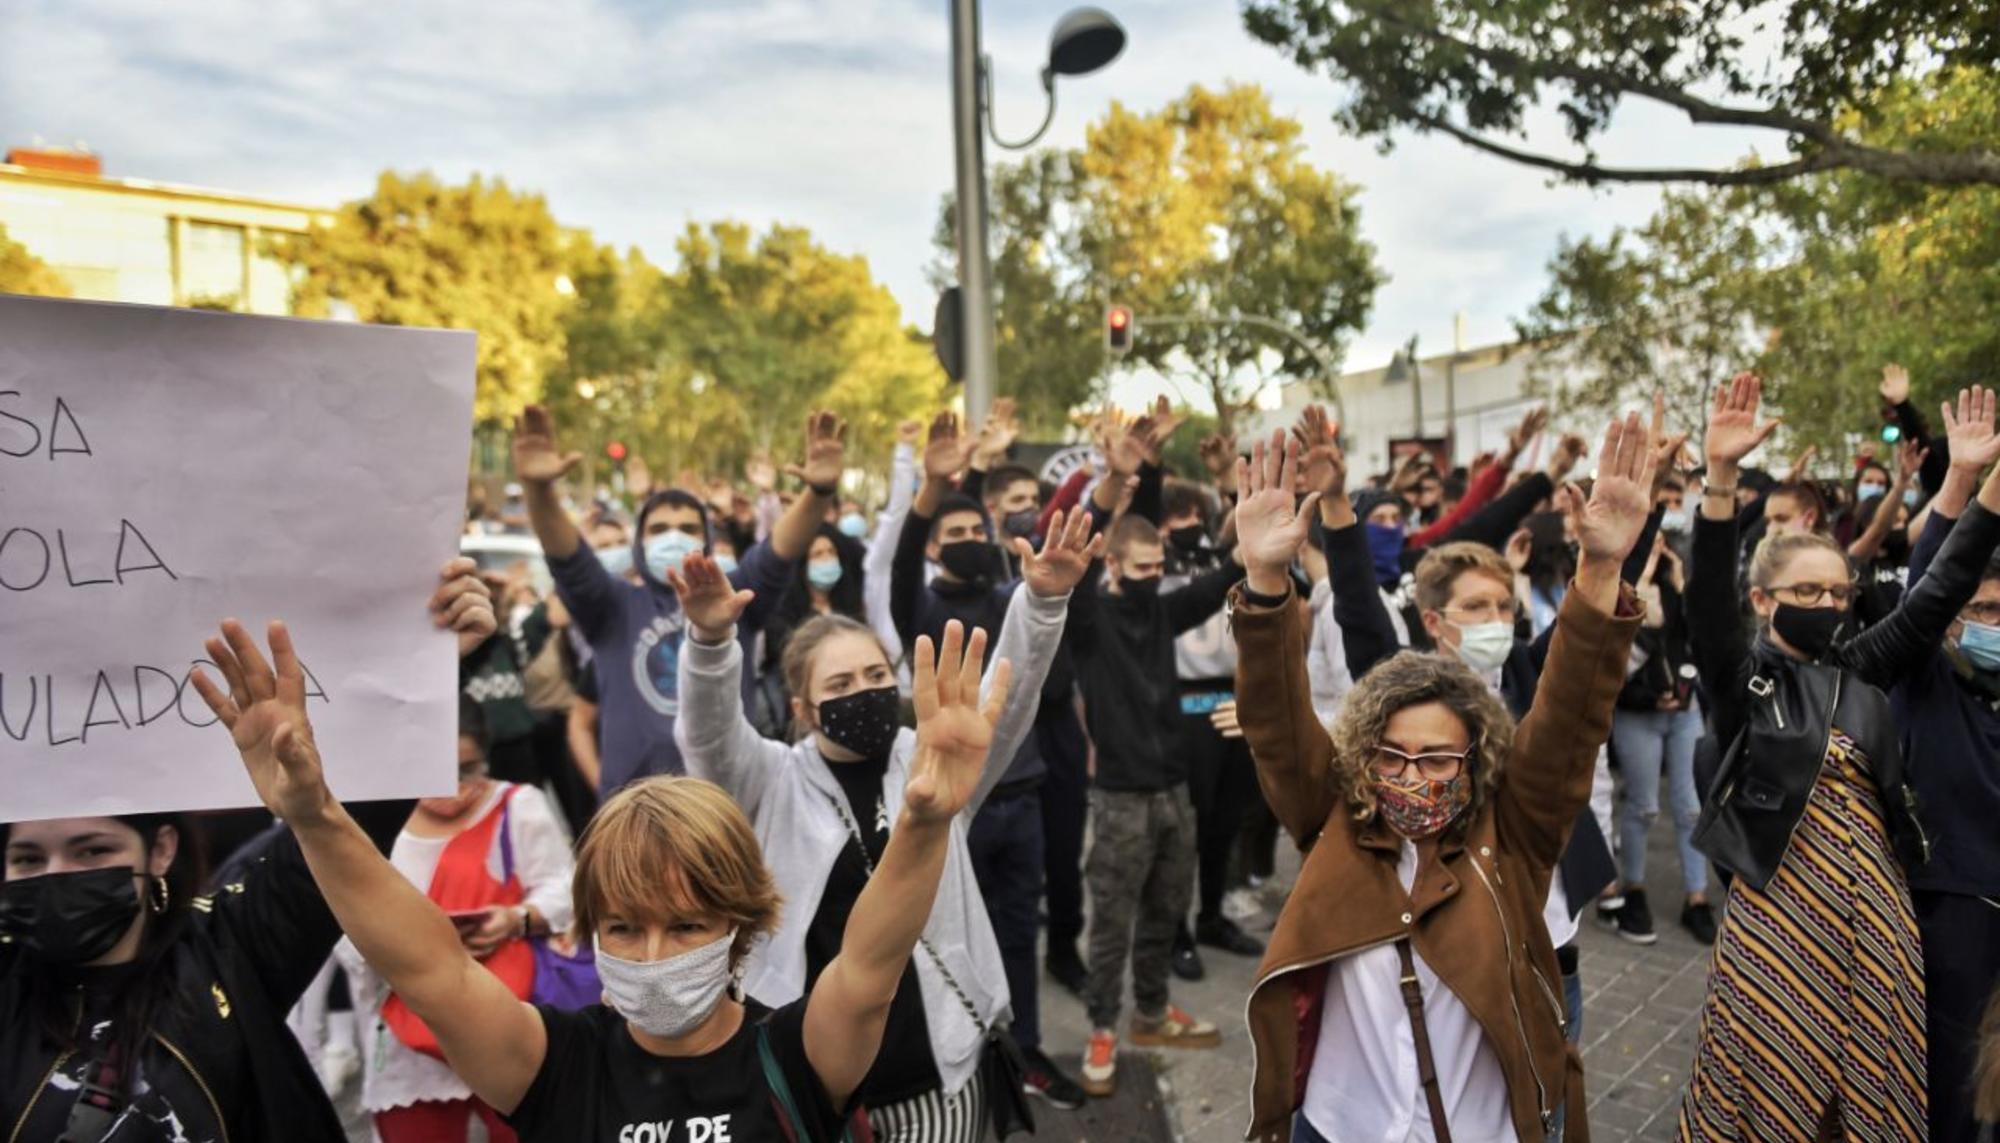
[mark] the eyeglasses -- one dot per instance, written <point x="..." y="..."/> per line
<point x="1987" y="612"/>
<point x="1389" y="762"/>
<point x="1811" y="593"/>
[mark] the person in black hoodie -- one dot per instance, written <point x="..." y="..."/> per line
<point x="1817" y="987"/>
<point x="1142" y="862"/>
<point x="129" y="1003"/>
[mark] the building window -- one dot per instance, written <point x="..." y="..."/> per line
<point x="212" y="266"/>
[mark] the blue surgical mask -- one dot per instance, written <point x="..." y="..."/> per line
<point x="1866" y="492"/>
<point x="823" y="574"/>
<point x="668" y="550"/>
<point x="1485" y="646"/>
<point x="854" y="525"/>
<point x="727" y="563"/>
<point x="1674" y="521"/>
<point x="617" y="561"/>
<point x="1980" y="644"/>
<point x="1912" y="497"/>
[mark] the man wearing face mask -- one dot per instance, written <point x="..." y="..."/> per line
<point x="1948" y="711"/>
<point x="635" y="630"/>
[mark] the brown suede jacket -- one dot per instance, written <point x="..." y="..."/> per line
<point x="1474" y="914"/>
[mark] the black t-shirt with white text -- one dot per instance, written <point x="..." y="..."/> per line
<point x="597" y="1085"/>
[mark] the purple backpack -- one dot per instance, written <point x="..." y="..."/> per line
<point x="564" y="981"/>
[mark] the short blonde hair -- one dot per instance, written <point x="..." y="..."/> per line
<point x="671" y="847"/>
<point x="1442" y="565"/>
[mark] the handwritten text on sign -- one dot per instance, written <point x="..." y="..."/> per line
<point x="162" y="469"/>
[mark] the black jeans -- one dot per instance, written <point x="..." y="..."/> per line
<point x="1961" y="970"/>
<point x="1222" y="782"/>
<point x="1065" y="805"/>
<point x="1006" y="845"/>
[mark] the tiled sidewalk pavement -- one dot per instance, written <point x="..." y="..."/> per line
<point x="1640" y="1010"/>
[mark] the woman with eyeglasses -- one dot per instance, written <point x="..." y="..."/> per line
<point x="1813" y="1026"/>
<point x="1409" y="991"/>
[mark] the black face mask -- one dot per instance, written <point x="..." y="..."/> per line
<point x="1022" y="524"/>
<point x="1189" y="538"/>
<point x="967" y="559"/>
<point x="865" y="722"/>
<point x="1811" y="630"/>
<point x="69" y="918"/>
<point x="1140" y="589"/>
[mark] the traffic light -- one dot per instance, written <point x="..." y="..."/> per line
<point x="1118" y="330"/>
<point x="615" y="450"/>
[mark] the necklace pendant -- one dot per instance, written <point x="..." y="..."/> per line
<point x="881" y="815"/>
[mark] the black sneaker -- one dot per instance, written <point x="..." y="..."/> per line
<point x="1067" y="968"/>
<point x="1608" y="909"/>
<point x="1635" y="920"/>
<point x="1187" y="962"/>
<point x="1223" y="933"/>
<point x="1044" y="1080"/>
<point x="1700" y="921"/>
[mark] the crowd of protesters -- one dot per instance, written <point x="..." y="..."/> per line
<point x="777" y="808"/>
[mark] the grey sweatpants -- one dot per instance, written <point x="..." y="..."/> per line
<point x="1141" y="876"/>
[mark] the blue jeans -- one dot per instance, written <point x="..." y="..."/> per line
<point x="1650" y="742"/>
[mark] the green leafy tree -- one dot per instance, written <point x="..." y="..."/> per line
<point x="419" y="252"/>
<point x="23" y="273"/>
<point x="1474" y="70"/>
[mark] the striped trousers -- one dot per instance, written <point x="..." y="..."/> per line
<point x="935" y="1117"/>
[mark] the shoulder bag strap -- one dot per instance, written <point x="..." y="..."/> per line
<point x="1413" y="999"/>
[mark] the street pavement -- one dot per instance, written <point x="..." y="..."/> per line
<point x="1641" y="1006"/>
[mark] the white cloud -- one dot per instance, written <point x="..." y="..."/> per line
<point x="636" y="116"/>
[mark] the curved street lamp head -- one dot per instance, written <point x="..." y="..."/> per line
<point x="1084" y="40"/>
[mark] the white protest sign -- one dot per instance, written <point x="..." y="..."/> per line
<point x="161" y="470"/>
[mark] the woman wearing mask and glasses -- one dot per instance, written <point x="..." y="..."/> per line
<point x="1813" y="1026"/>
<point x="1409" y="990"/>
<point x="673" y="891"/>
<point x="133" y="1009"/>
<point x="821" y="808"/>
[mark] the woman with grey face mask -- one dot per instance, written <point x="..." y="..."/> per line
<point x="672" y="889"/>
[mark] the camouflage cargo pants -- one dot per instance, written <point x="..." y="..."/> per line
<point x="1141" y="877"/>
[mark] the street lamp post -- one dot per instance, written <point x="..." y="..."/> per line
<point x="1084" y="40"/>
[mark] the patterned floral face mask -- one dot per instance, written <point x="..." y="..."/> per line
<point x="1418" y="807"/>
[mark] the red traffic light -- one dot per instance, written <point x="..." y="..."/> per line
<point x="615" y="450"/>
<point x="1118" y="330"/>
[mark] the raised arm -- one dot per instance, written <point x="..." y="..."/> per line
<point x="539" y="464"/>
<point x="717" y="741"/>
<point x="1909" y="462"/>
<point x="1367" y="633"/>
<point x="1550" y="768"/>
<point x="825" y="460"/>
<point x="1274" y="704"/>
<point x="849" y="1005"/>
<point x="490" y="1038"/>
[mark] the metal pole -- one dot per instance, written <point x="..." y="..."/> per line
<point x="975" y="280"/>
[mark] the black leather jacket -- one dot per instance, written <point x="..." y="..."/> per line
<point x="1777" y="713"/>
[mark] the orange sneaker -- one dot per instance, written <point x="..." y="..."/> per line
<point x="1176" y="1029"/>
<point x="1100" y="1063"/>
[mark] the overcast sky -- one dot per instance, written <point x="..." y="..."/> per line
<point x="637" y="116"/>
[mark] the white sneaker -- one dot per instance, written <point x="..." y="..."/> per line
<point x="1242" y="905"/>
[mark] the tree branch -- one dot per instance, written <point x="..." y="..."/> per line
<point x="1593" y="173"/>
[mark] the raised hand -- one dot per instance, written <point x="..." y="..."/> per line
<point x="1563" y="458"/>
<point x="1218" y="456"/>
<point x="1909" y="462"/>
<point x="1067" y="553"/>
<point x="1126" y="450"/>
<point x="1160" y="426"/>
<point x="1269" y="526"/>
<point x="954" y="729"/>
<point x="1667" y="447"/>
<point x="1531" y="426"/>
<point x="1895" y="387"/>
<point x="1608" y="525"/>
<point x="998" y="433"/>
<point x="711" y="603"/>
<point x="464" y="604"/>
<point x="910" y="432"/>
<point x="1974" y="444"/>
<point x="1733" y="431"/>
<point x="762" y="474"/>
<point x="948" y="452"/>
<point x="1520" y="549"/>
<point x="537" y="460"/>
<point x="1323" y="464"/>
<point x="1801" y="464"/>
<point x="264" y="711"/>
<point x="826" y="452"/>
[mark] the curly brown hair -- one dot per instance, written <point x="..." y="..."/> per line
<point x="1406" y="680"/>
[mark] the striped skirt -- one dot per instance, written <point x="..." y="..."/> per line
<point x="1816" y="993"/>
<point x="935" y="1117"/>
